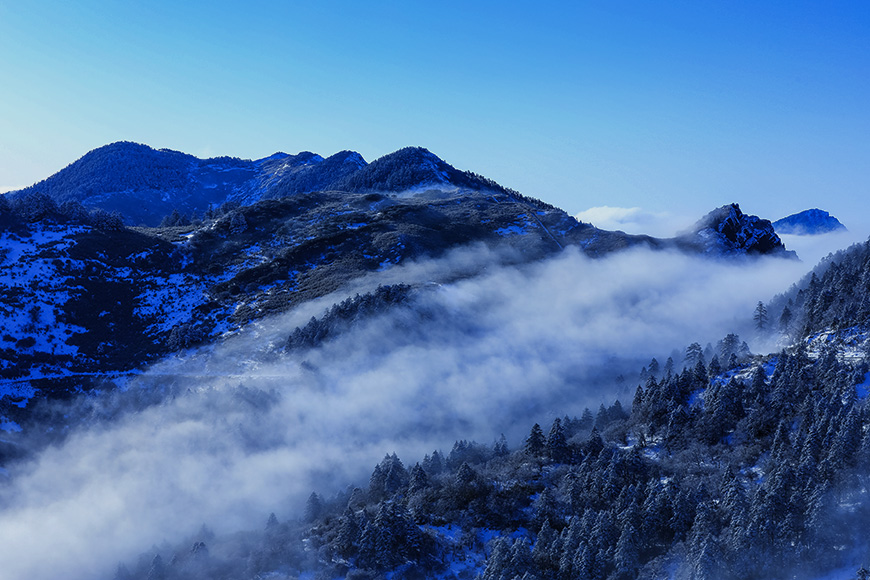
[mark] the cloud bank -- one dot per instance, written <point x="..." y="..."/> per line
<point x="635" y="220"/>
<point x="249" y="429"/>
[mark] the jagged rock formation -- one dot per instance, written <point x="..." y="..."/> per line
<point x="728" y="231"/>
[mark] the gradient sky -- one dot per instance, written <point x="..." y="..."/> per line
<point x="675" y="107"/>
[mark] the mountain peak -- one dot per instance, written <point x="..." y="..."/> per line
<point x="728" y="231"/>
<point x="809" y="222"/>
<point x="406" y="169"/>
<point x="347" y="157"/>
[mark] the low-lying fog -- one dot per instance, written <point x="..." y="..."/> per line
<point x="254" y="430"/>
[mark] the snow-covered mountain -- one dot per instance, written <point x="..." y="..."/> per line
<point x="87" y="298"/>
<point x="144" y="185"/>
<point x="809" y="222"/>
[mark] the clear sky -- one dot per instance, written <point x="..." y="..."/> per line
<point x="674" y="107"/>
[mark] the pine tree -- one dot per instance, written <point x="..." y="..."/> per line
<point x="627" y="555"/>
<point x="669" y="367"/>
<point x="535" y="442"/>
<point x="637" y="401"/>
<point x="158" y="569"/>
<point x="708" y="563"/>
<point x="694" y="354"/>
<point x="433" y="464"/>
<point x="543" y="552"/>
<point x="313" y="507"/>
<point x="348" y="534"/>
<point x="545" y="509"/>
<point x="122" y="573"/>
<point x="418" y="479"/>
<point x="785" y="320"/>
<point x="587" y="420"/>
<point x="500" y="448"/>
<point x="556" y="445"/>
<point x="715" y="368"/>
<point x="396" y="476"/>
<point x="654" y="368"/>
<point x="499" y="561"/>
<point x="760" y="316"/>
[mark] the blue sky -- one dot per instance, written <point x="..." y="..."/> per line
<point x="675" y="107"/>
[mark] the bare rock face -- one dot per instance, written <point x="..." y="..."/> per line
<point x="727" y="231"/>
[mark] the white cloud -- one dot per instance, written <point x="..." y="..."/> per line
<point x="635" y="220"/>
<point x="493" y="354"/>
<point x="811" y="249"/>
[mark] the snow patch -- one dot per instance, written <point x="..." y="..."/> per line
<point x="171" y="300"/>
<point x="513" y="230"/>
<point x="9" y="426"/>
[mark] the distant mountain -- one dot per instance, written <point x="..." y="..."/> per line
<point x="808" y="223"/>
<point x="728" y="231"/>
<point x="144" y="185"/>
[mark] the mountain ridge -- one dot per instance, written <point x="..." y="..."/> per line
<point x="145" y="184"/>
<point x="128" y="296"/>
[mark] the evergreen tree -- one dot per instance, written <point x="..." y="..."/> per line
<point x="158" y="569"/>
<point x="587" y="420"/>
<point x="654" y="368"/>
<point x="418" y="480"/>
<point x="313" y="507"/>
<point x="785" y="320"/>
<point x="535" y="442"/>
<point x="715" y="368"/>
<point x="122" y="573"/>
<point x="544" y="552"/>
<point x="433" y="464"/>
<point x="626" y="559"/>
<point x="694" y="355"/>
<point x="556" y="445"/>
<point x="545" y="510"/>
<point x="500" y="448"/>
<point x="760" y="316"/>
<point x="498" y="565"/>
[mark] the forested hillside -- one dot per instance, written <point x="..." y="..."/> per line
<point x="732" y="466"/>
<point x="757" y="470"/>
<point x="835" y="295"/>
